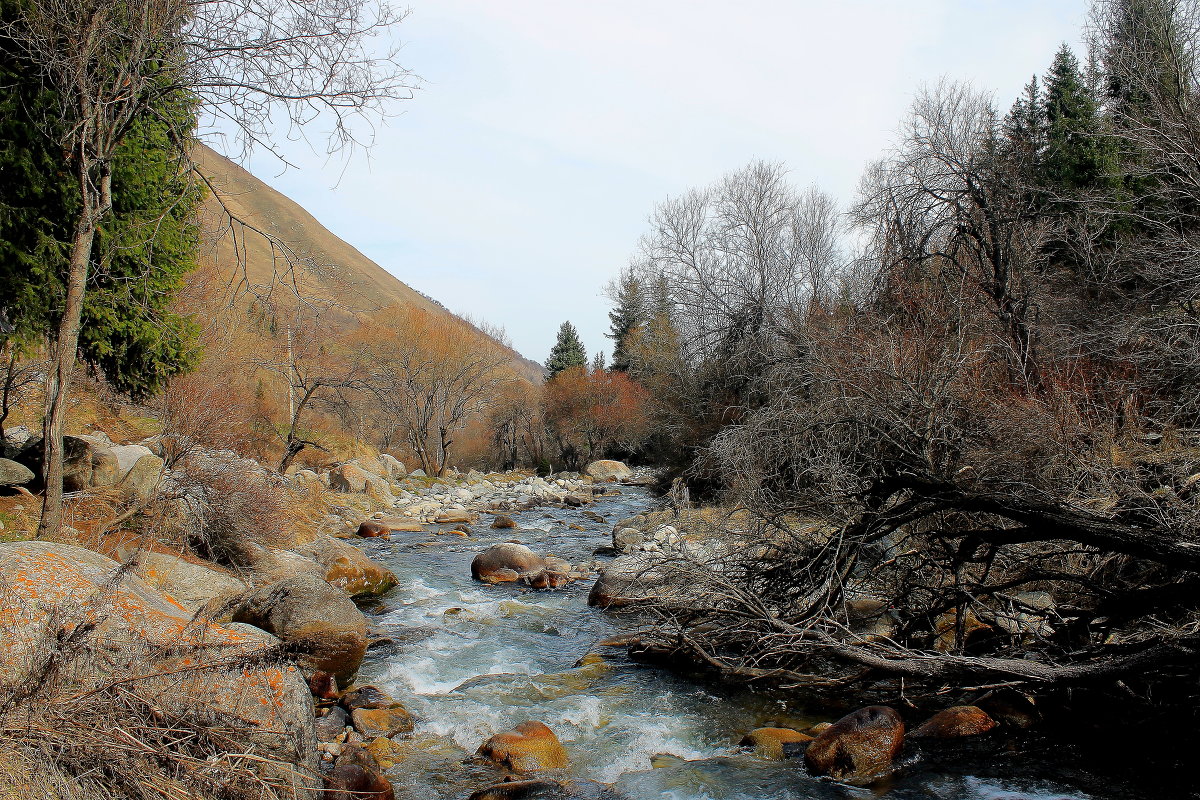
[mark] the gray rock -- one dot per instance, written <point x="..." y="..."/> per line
<point x="128" y="455"/>
<point x="14" y="474"/>
<point x="143" y="477"/>
<point x="193" y="586"/>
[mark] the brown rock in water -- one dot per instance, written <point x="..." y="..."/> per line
<point x="323" y="685"/>
<point x="447" y="517"/>
<point x="606" y="470"/>
<point x="956" y="721"/>
<point x="819" y="728"/>
<point x="527" y="747"/>
<point x="1010" y="707"/>
<point x="859" y="747"/>
<point x="386" y="722"/>
<point x="367" y="696"/>
<point x="355" y="782"/>
<point x="548" y="579"/>
<point x="769" y="742"/>
<point x="319" y="619"/>
<point x="502" y="521"/>
<point x="513" y="790"/>
<point x="332" y="724"/>
<point x="494" y="564"/>
<point x="373" y="530"/>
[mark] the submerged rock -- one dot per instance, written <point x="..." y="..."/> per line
<point x="494" y="564"/>
<point x="528" y="747"/>
<point x="956" y="721"/>
<point x="502" y="521"/>
<point x="769" y="742"/>
<point x="515" y="790"/>
<point x="859" y="747"/>
<point x="357" y="782"/>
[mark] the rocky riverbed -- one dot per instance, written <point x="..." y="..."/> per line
<point x="471" y="660"/>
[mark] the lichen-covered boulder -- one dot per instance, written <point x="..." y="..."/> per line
<point x="50" y="589"/>
<point x="14" y="474"/>
<point x="528" y="747"/>
<point x="317" y="619"/>
<point x="348" y="568"/>
<point x="143" y="477"/>
<point x="192" y="585"/>
<point x="348" y="477"/>
<point x="859" y="747"/>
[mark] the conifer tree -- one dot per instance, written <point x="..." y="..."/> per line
<point x="598" y="364"/>
<point x="628" y="316"/>
<point x="1077" y="156"/>
<point x="568" y="351"/>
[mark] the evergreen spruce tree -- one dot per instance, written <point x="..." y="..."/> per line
<point x="598" y="362"/>
<point x="142" y="250"/>
<point x="568" y="351"/>
<point x="628" y="316"/>
<point x="1077" y="157"/>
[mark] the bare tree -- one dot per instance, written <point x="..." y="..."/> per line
<point x="434" y="376"/>
<point x="110" y="61"/>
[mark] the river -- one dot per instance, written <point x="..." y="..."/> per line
<point x="471" y="660"/>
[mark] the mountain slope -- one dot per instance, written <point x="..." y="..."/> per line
<point x="260" y="252"/>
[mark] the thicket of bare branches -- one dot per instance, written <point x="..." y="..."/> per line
<point x="977" y="464"/>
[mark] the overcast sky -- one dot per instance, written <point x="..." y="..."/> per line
<point x="516" y="182"/>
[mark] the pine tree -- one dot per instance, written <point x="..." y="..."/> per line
<point x="628" y="316"/>
<point x="598" y="362"/>
<point x="568" y="351"/>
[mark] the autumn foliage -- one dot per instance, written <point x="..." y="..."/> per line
<point x="588" y="411"/>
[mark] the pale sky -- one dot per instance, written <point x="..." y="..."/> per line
<point x="515" y="184"/>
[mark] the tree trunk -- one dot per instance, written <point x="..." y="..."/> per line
<point x="58" y="386"/>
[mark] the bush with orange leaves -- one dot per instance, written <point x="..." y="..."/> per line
<point x="589" y="411"/>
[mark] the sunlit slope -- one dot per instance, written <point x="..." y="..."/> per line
<point x="330" y="271"/>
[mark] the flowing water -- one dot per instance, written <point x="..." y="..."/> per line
<point x="471" y="660"/>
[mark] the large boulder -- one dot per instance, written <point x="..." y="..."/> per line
<point x="193" y="586"/>
<point x="629" y="580"/>
<point x="129" y="454"/>
<point x="498" y="562"/>
<point x="348" y="477"/>
<point x="14" y="474"/>
<point x="143" y="477"/>
<point x="88" y="462"/>
<point x="606" y="470"/>
<point x="317" y="619"/>
<point x="395" y="468"/>
<point x="50" y="589"/>
<point x="527" y="747"/>
<point x="348" y="568"/>
<point x="859" y="747"/>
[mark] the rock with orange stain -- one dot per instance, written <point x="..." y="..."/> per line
<point x="48" y="590"/>
<point x="859" y="747"/>
<point x="193" y="586"/>
<point x="348" y="568"/>
<point x="317" y="619"/>
<point x="769" y="742"/>
<point x="527" y="747"/>
<point x="955" y="721"/>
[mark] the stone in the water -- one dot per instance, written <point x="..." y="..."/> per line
<point x="356" y="782"/>
<point x="374" y="530"/>
<point x="332" y="725"/>
<point x="527" y="747"/>
<point x="386" y="722"/>
<point x="514" y="790"/>
<point x="503" y="521"/>
<point x="367" y="696"/>
<point x="606" y="470"/>
<point x="319" y="619"/>
<point x="769" y="742"/>
<point x="956" y="721"/>
<point x="495" y="564"/>
<point x="859" y="747"/>
<point x="323" y="685"/>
